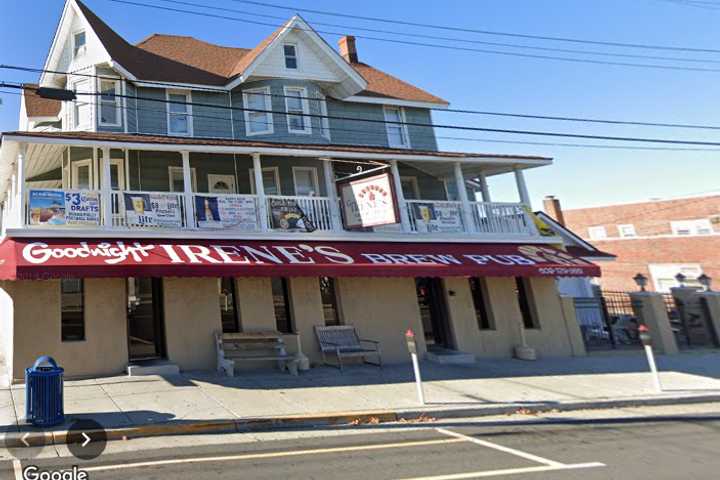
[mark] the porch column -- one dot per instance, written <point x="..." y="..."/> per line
<point x="11" y="196"/>
<point x="331" y="188"/>
<point x="484" y="189"/>
<point x="106" y="189"/>
<point x="463" y="196"/>
<point x="522" y="188"/>
<point x="402" y="206"/>
<point x="187" y="191"/>
<point x="20" y="193"/>
<point x="260" y="192"/>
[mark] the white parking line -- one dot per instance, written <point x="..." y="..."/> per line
<point x="495" y="446"/>
<point x="17" y="468"/>
<point x="509" y="471"/>
<point x="287" y="453"/>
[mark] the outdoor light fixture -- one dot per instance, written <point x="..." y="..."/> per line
<point x="641" y="281"/>
<point x="705" y="281"/>
<point x="681" y="279"/>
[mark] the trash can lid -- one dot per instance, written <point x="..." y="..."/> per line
<point x="45" y="362"/>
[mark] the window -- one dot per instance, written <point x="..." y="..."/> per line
<point x="397" y="134"/>
<point x="329" y="301"/>
<point x="701" y="226"/>
<point x="72" y="310"/>
<point x="179" y="113"/>
<point x="663" y="275"/>
<point x="410" y="188"/>
<point x="258" y="122"/>
<point x="82" y="178"/>
<point x="324" y="121"/>
<point x="479" y="295"/>
<point x="79" y="46"/>
<point x="627" y="230"/>
<point x="281" y="304"/>
<point x="177" y="183"/>
<point x="81" y="108"/>
<point x="228" y="306"/>
<point x="522" y="290"/>
<point x="296" y="106"/>
<point x="290" y="52"/>
<point x="305" y="180"/>
<point x="109" y="108"/>
<point x="271" y="181"/>
<point x="597" y="233"/>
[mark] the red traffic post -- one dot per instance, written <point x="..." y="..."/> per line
<point x="646" y="339"/>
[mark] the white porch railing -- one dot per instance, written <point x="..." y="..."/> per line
<point x="502" y="218"/>
<point x="429" y="216"/>
<point x="317" y="209"/>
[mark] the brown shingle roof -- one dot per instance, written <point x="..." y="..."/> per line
<point x="36" y="106"/>
<point x="181" y="59"/>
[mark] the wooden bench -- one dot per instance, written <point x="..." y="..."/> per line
<point x="252" y="347"/>
<point x="343" y="342"/>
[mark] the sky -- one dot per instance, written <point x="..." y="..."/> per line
<point x="579" y="177"/>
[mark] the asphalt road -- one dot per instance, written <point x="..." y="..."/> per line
<point x="668" y="448"/>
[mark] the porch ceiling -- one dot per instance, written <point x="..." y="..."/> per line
<point x="470" y="170"/>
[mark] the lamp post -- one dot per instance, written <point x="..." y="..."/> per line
<point x="681" y="279"/>
<point x="641" y="281"/>
<point x="705" y="281"/>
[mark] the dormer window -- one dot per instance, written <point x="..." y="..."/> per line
<point x="396" y="128"/>
<point x="79" y="44"/>
<point x="291" y="61"/>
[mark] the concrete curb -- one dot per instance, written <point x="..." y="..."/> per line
<point x="35" y="439"/>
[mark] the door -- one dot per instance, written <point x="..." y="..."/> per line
<point x="82" y="175"/>
<point x="305" y="181"/>
<point x="221" y="183"/>
<point x="433" y="313"/>
<point x="146" y="326"/>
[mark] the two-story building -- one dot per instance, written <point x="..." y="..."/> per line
<point x="191" y="188"/>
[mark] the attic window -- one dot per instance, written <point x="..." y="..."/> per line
<point x="290" y="52"/>
<point x="79" y="44"/>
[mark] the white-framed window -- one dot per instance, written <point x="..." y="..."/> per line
<point x="81" y="105"/>
<point x="82" y="174"/>
<point x="258" y="122"/>
<point x="109" y="108"/>
<point x="597" y="233"/>
<point x="297" y="108"/>
<point x="305" y="181"/>
<point x="396" y="128"/>
<point x="291" y="56"/>
<point x="177" y="180"/>
<point x="700" y="226"/>
<point x="627" y="230"/>
<point x="271" y="181"/>
<point x="179" y="113"/>
<point x="410" y="187"/>
<point x="79" y="43"/>
<point x="324" y="121"/>
<point x="663" y="275"/>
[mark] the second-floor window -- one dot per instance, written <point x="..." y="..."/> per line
<point x="79" y="45"/>
<point x="396" y="130"/>
<point x="290" y="52"/>
<point x="109" y="108"/>
<point x="597" y="233"/>
<point x="627" y="230"/>
<point x="297" y="107"/>
<point x="179" y="113"/>
<point x="81" y="106"/>
<point x="699" y="226"/>
<point x="258" y="119"/>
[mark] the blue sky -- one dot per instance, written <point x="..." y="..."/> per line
<point x="580" y="176"/>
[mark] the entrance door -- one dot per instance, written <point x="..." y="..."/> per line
<point x="433" y="313"/>
<point x="146" y="326"/>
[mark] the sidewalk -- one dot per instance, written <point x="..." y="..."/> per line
<point x="487" y="388"/>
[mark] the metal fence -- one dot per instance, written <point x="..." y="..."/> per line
<point x="608" y="321"/>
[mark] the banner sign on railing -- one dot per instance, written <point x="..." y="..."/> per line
<point x="64" y="207"/>
<point x="153" y="210"/>
<point x="445" y="217"/>
<point x="368" y="202"/>
<point x="213" y="212"/>
<point x="287" y="215"/>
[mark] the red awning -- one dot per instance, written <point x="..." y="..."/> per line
<point x="41" y="259"/>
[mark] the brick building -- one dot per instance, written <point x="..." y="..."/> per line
<point x="658" y="238"/>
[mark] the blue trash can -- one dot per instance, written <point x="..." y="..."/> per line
<point x="44" y="393"/>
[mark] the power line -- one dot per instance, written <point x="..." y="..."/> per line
<point x="482" y="32"/>
<point x="450" y="39"/>
<point x="438" y="109"/>
<point x="434" y="45"/>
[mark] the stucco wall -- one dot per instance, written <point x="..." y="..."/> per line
<point x="255" y="302"/>
<point x="192" y="316"/>
<point x="382" y="309"/>
<point x="306" y="310"/>
<point x="6" y="329"/>
<point x="551" y="339"/>
<point x="37" y="328"/>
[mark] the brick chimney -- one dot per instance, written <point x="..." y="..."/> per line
<point x="347" y="49"/>
<point x="552" y="207"/>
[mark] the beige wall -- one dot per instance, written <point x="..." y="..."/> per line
<point x="192" y="316"/>
<point x="7" y="325"/>
<point x="37" y="328"/>
<point x="255" y="304"/>
<point x="551" y="339"/>
<point x="382" y="309"/>
<point x="306" y="311"/>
